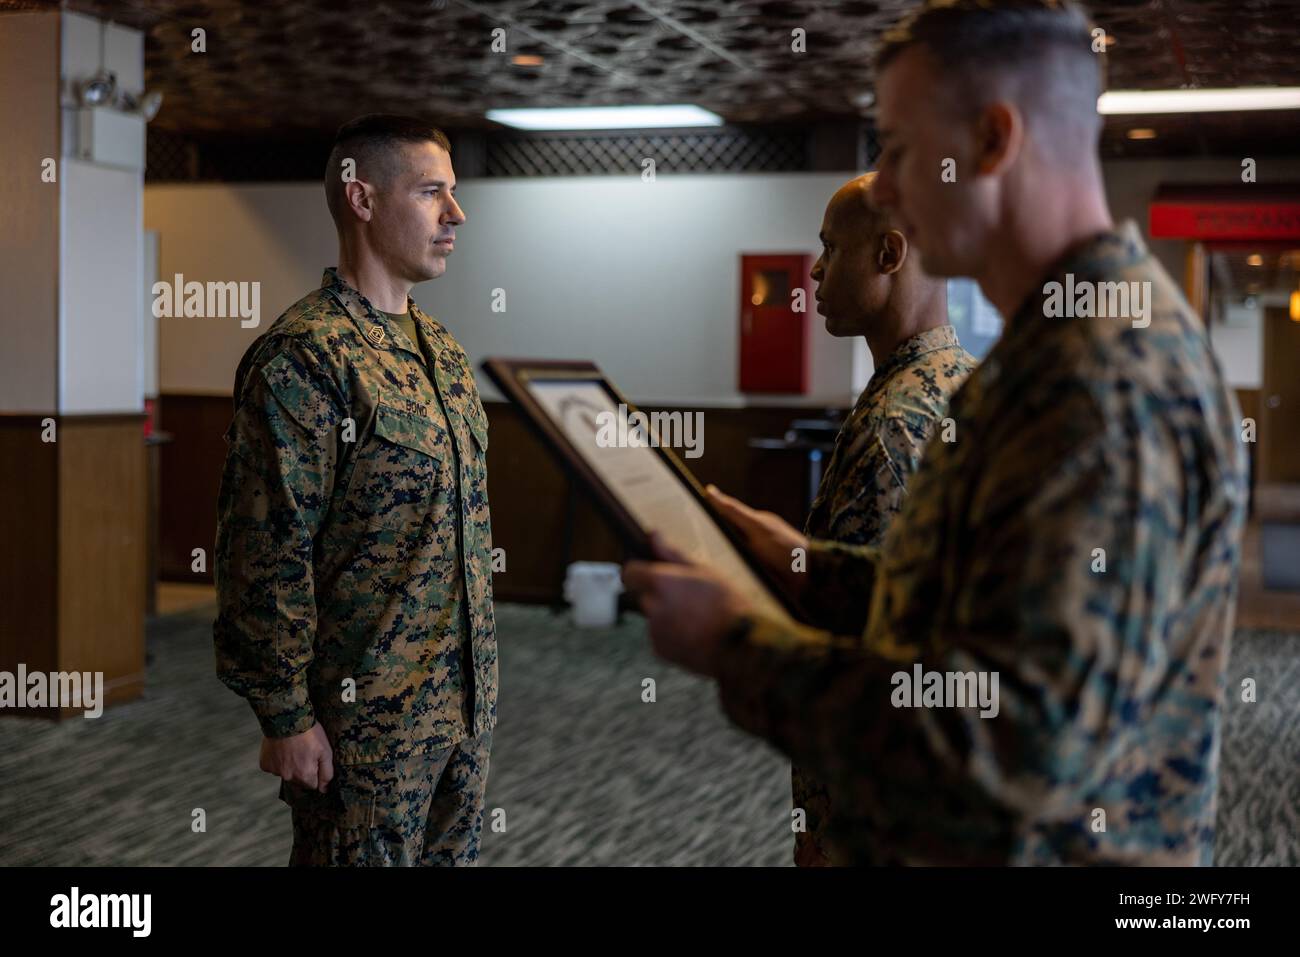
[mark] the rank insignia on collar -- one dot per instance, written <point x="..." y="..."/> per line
<point x="375" y="334"/>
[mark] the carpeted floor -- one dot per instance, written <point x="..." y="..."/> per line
<point x="586" y="772"/>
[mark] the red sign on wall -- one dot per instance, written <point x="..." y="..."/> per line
<point x="774" y="305"/>
<point x="1208" y="220"/>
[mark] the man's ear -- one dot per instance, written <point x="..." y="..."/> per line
<point x="359" y="198"/>
<point x="893" y="251"/>
<point x="999" y="135"/>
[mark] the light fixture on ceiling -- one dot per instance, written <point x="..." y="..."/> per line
<point x="98" y="90"/>
<point x="526" y="59"/>
<point x="606" y="117"/>
<point x="101" y="88"/>
<point x="1254" y="259"/>
<point x="146" y="105"/>
<point x="150" y="105"/>
<point x="1141" y="133"/>
<point x="1243" y="98"/>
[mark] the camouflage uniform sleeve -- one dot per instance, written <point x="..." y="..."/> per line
<point x="1045" y="626"/>
<point x="275" y="492"/>
<point x="840" y="580"/>
<point x="841" y="575"/>
<point x="903" y="438"/>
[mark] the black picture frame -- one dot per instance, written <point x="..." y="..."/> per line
<point x="512" y="376"/>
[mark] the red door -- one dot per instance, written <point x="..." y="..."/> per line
<point x="774" y="305"/>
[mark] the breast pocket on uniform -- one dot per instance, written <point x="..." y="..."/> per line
<point x="399" y="471"/>
<point x="478" y="427"/>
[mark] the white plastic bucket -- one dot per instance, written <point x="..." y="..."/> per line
<point x="593" y="589"/>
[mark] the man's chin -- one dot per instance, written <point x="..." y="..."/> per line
<point x="838" y="328"/>
<point x="433" y="268"/>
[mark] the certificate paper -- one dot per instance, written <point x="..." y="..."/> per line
<point x="643" y="483"/>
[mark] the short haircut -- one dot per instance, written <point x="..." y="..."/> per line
<point x="1037" y="53"/>
<point x="371" y="142"/>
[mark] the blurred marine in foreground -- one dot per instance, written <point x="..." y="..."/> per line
<point x="1070" y="559"/>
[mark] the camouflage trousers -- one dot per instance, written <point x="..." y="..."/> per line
<point x="426" y="811"/>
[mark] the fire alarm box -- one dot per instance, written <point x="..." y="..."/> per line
<point x="775" y="303"/>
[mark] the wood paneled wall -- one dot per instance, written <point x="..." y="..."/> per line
<point x="189" y="478"/>
<point x="529" y="492"/>
<point x="102" y="550"/>
<point x="530" y="495"/>
<point x="72" y="572"/>
<point x="29" y="474"/>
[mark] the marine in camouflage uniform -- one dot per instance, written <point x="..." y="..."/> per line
<point x="354" y="580"/>
<point x="1074" y="435"/>
<point x="877" y="450"/>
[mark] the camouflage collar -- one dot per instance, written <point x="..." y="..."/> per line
<point x="1100" y="256"/>
<point x="908" y="351"/>
<point x="377" y="329"/>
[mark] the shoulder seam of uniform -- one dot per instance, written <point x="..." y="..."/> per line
<point x="309" y="345"/>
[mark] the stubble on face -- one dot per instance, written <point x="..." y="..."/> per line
<point x="415" y="199"/>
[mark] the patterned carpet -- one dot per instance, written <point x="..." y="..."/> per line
<point x="585" y="771"/>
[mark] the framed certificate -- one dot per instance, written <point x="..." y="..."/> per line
<point x="615" y="450"/>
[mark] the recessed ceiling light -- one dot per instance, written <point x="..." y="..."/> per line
<point x="1254" y="259"/>
<point x="526" y="59"/>
<point x="1199" y="101"/>
<point x="606" y="117"/>
<point x="1141" y="133"/>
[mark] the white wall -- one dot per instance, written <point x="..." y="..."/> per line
<point x="123" y="52"/>
<point x="70" y="255"/>
<point x="101" y="346"/>
<point x="279" y="235"/>
<point x="1239" y="344"/>
<point x="641" y="277"/>
<point x="148" y="324"/>
<point x="101" y="242"/>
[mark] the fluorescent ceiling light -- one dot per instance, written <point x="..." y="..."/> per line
<point x="1200" y="101"/>
<point x="606" y="117"/>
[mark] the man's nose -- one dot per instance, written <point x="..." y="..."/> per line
<point x="455" y="214"/>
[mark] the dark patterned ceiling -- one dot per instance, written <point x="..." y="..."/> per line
<point x="306" y="65"/>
